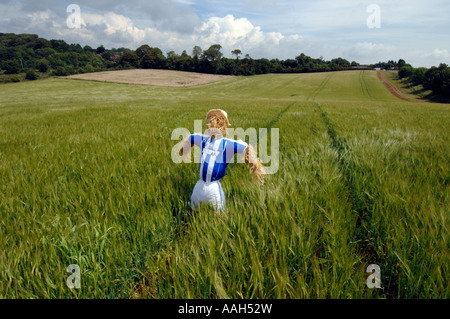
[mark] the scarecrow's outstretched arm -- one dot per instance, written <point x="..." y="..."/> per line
<point x="255" y="164"/>
<point x="186" y="148"/>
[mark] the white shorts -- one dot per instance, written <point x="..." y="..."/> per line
<point x="211" y="193"/>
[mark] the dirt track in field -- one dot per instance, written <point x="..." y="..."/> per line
<point x="152" y="77"/>
<point x="394" y="90"/>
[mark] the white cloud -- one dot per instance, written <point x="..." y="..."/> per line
<point x="412" y="30"/>
<point x="114" y="24"/>
<point x="39" y="16"/>
<point x="439" y="54"/>
<point x="185" y="2"/>
<point x="234" y="33"/>
<point x="427" y="58"/>
<point x="227" y="27"/>
<point x="369" y="50"/>
<point x="230" y="32"/>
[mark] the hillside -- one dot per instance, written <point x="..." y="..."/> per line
<point x="153" y="77"/>
<point x="87" y="179"/>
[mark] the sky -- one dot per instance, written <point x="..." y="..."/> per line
<point x="363" y="31"/>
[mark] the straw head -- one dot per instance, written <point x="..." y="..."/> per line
<point x="218" y="113"/>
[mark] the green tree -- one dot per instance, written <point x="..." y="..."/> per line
<point x="143" y="50"/>
<point x="41" y="43"/>
<point x="228" y="66"/>
<point x="45" y="52"/>
<point x="290" y="64"/>
<point x="247" y="66"/>
<point x="59" y="45"/>
<point x="437" y="79"/>
<point x="88" y="68"/>
<point x="11" y="66"/>
<point x="417" y="75"/>
<point x="302" y="59"/>
<point x="185" y="62"/>
<point x="401" y="63"/>
<point x="196" y="55"/>
<point x="342" y="63"/>
<point x="211" y="58"/>
<point x="237" y="53"/>
<point x="87" y="48"/>
<point x="42" y="65"/>
<point x="129" y="58"/>
<point x="31" y="75"/>
<point x="100" y="49"/>
<point x="262" y="66"/>
<point x="405" y="71"/>
<point x="213" y="54"/>
<point x="148" y="61"/>
<point x="60" y="71"/>
<point x="197" y="52"/>
<point x="172" y="59"/>
<point x="152" y="60"/>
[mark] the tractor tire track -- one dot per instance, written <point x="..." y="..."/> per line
<point x="366" y="234"/>
<point x="319" y="88"/>
<point x="363" y="83"/>
<point x="362" y="204"/>
<point x="279" y="116"/>
<point x="269" y="125"/>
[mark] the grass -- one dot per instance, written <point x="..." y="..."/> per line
<point x="87" y="179"/>
<point x="395" y="167"/>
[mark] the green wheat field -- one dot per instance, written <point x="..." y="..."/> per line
<point x="86" y="178"/>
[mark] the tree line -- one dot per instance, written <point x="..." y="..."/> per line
<point x="435" y="79"/>
<point x="36" y="56"/>
<point x="31" y="56"/>
<point x="212" y="61"/>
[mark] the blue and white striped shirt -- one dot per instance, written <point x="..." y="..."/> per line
<point x="215" y="154"/>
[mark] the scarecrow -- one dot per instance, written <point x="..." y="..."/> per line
<point x="216" y="152"/>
